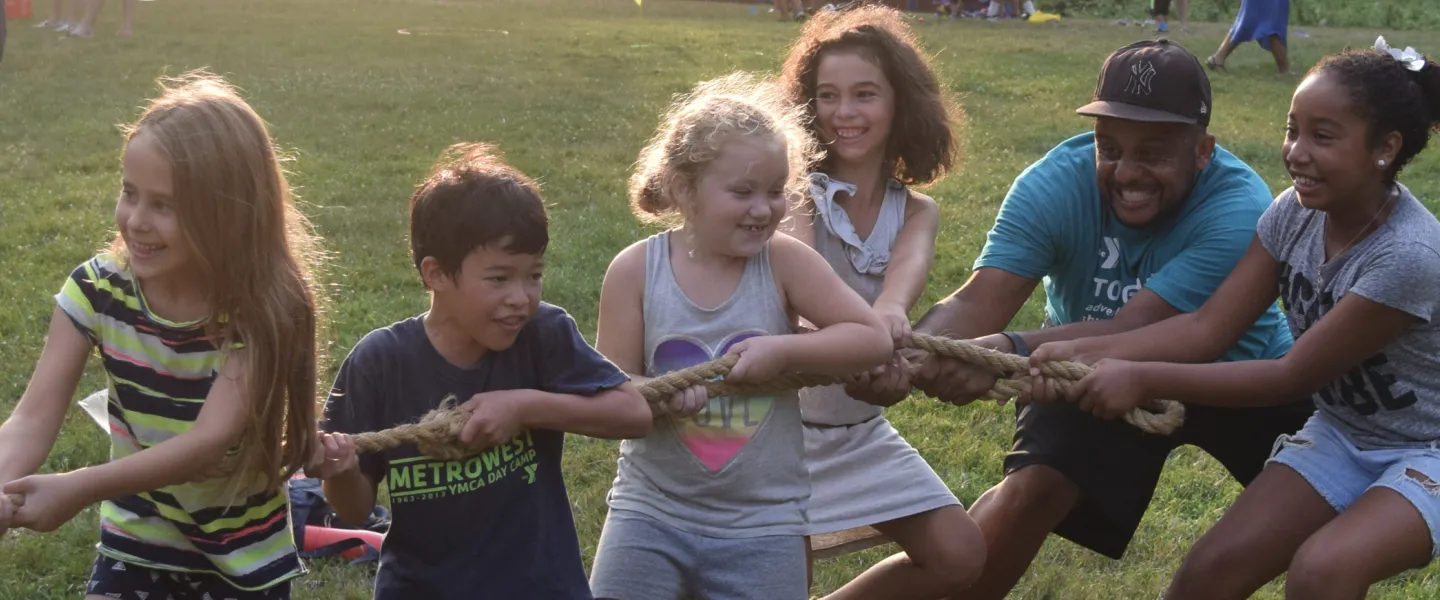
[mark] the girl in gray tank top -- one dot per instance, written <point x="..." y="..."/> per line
<point x="712" y="503"/>
<point x="855" y="73"/>
<point x="739" y="457"/>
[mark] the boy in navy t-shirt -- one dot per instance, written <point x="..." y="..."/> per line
<point x="498" y="524"/>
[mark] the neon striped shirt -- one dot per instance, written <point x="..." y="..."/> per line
<point x="159" y="373"/>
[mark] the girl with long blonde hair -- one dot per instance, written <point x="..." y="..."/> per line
<point x="203" y="310"/>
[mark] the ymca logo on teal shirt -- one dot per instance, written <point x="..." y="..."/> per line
<point x="1054" y="226"/>
<point x="1112" y="288"/>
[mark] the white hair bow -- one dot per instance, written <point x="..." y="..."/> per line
<point x="1409" y="57"/>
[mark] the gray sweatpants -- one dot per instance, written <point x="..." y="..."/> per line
<point x="640" y="558"/>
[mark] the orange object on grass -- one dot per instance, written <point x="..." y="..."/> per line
<point x="316" y="536"/>
<point x="17" y="9"/>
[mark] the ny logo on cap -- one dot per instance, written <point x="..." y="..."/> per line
<point x="1141" y="73"/>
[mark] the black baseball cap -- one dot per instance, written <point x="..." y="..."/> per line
<point x="1152" y="80"/>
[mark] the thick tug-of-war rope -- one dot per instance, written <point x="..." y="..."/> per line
<point x="1160" y="417"/>
<point x="437" y="434"/>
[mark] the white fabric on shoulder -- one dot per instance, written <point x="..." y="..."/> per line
<point x="870" y="256"/>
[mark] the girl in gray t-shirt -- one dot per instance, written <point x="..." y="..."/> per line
<point x="712" y="503"/>
<point x="1354" y="496"/>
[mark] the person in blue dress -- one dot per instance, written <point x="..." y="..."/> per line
<point x="1261" y="21"/>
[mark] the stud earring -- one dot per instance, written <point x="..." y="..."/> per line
<point x="1380" y="162"/>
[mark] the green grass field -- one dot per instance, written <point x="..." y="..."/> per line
<point x="365" y="93"/>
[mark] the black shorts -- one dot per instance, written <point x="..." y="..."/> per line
<point x="1116" y="466"/>
<point x="126" y="581"/>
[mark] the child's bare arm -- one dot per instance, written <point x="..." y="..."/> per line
<point x="1234" y="307"/>
<point x="497" y="417"/>
<point x="217" y="429"/>
<point x="800" y="224"/>
<point x="909" y="267"/>
<point x="53" y="499"/>
<point x="28" y="434"/>
<point x="1394" y="292"/>
<point x="851" y="337"/>
<point x="621" y="330"/>
<point x="355" y="404"/>
<point x="337" y="464"/>
<point x="616" y="413"/>
<point x="351" y="493"/>
<point x="1356" y="329"/>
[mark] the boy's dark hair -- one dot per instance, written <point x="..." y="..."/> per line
<point x="1389" y="97"/>
<point x="922" y="145"/>
<point x="473" y="199"/>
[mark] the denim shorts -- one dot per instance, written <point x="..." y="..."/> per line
<point x="1341" y="473"/>
<point x="1117" y="466"/>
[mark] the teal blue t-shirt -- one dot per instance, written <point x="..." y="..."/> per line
<point x="1054" y="224"/>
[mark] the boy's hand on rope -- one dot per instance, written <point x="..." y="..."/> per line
<point x="760" y="358"/>
<point x="687" y="402"/>
<point x="50" y="500"/>
<point x="885" y="385"/>
<point x="1112" y="390"/>
<point x="335" y="454"/>
<point x="495" y="418"/>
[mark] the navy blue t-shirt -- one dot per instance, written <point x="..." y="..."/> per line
<point x="498" y="525"/>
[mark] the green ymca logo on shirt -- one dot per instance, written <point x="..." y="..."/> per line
<point x="424" y="478"/>
<point x="1112" y="288"/>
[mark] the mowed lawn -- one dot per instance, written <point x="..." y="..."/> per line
<point x="365" y="93"/>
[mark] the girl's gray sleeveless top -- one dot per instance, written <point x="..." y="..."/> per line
<point x="735" y="469"/>
<point x="861" y="264"/>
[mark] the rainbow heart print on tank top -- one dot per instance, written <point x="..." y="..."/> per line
<point x="720" y="430"/>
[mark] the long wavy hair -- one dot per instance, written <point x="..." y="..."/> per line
<point x="923" y="144"/>
<point x="255" y="256"/>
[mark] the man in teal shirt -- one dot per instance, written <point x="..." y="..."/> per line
<point x="1133" y="223"/>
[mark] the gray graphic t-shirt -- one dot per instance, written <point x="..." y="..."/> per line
<point x="1391" y="399"/>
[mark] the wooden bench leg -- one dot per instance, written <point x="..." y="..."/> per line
<point x="840" y="543"/>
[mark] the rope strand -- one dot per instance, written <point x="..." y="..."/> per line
<point x="437" y="434"/>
